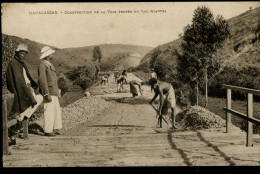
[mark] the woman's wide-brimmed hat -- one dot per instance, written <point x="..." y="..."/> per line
<point x="22" y="47"/>
<point x="46" y="51"/>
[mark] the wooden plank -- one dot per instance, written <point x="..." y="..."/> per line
<point x="244" y="116"/>
<point x="7" y="96"/>
<point x="241" y="89"/>
<point x="228" y="115"/>
<point x="25" y="129"/>
<point x="5" y="129"/>
<point x="11" y="122"/>
<point x="249" y="138"/>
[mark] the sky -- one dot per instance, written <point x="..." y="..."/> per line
<point x="144" y="28"/>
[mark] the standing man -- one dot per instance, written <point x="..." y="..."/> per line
<point x="167" y="98"/>
<point x="20" y="83"/>
<point x="49" y="89"/>
<point x="133" y="88"/>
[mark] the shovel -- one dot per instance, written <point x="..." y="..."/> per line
<point x="160" y="117"/>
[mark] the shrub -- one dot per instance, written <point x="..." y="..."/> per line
<point x="256" y="129"/>
<point x="62" y="85"/>
<point x="84" y="83"/>
<point x="247" y="77"/>
<point x="141" y="67"/>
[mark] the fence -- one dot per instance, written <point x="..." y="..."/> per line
<point x="248" y="117"/>
<point x="7" y="124"/>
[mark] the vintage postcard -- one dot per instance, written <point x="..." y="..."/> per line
<point x="124" y="84"/>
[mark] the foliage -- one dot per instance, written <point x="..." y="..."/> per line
<point x="256" y="128"/>
<point x="247" y="77"/>
<point x="83" y="76"/>
<point x="83" y="82"/>
<point x="88" y="70"/>
<point x="8" y="48"/>
<point x="62" y="85"/>
<point x="107" y="66"/>
<point x="97" y="54"/>
<point x="97" y="69"/>
<point x="201" y="40"/>
<point x="154" y="57"/>
<point x="141" y="67"/>
<point x="162" y="69"/>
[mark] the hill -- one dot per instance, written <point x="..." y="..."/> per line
<point x="66" y="59"/>
<point x="238" y="51"/>
<point x="116" y="56"/>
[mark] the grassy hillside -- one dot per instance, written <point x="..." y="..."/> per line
<point x="110" y="55"/>
<point x="65" y="59"/>
<point x="62" y="61"/>
<point x="107" y="50"/>
<point x="238" y="51"/>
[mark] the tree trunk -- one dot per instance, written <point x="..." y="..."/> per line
<point x="206" y="88"/>
<point x="197" y="94"/>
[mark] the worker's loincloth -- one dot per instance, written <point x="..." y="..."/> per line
<point x="169" y="101"/>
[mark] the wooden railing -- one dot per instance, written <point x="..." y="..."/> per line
<point x="248" y="117"/>
<point x="8" y="123"/>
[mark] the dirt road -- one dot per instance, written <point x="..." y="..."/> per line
<point x="125" y="115"/>
<point x="125" y="134"/>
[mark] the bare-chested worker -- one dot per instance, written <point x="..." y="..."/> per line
<point x="104" y="80"/>
<point x="120" y="83"/>
<point x="116" y="75"/>
<point x="133" y="87"/>
<point x="167" y="98"/>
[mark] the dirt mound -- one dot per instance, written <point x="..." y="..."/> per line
<point x="197" y="117"/>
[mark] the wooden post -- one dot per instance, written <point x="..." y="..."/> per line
<point x="160" y="121"/>
<point x="228" y="115"/>
<point x="249" y="135"/>
<point x="5" y="129"/>
<point x="25" y="129"/>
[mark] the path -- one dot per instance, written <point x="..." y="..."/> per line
<point x="125" y="135"/>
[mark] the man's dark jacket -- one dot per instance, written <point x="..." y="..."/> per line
<point x="16" y="84"/>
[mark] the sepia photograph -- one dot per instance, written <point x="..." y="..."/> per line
<point x="130" y="84"/>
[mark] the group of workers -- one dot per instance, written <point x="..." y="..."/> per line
<point x="162" y="89"/>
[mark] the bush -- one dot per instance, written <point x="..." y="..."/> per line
<point x="141" y="67"/>
<point x="83" y="76"/>
<point x="256" y="128"/>
<point x="62" y="85"/>
<point x="107" y="66"/>
<point x="84" y="83"/>
<point x="247" y="77"/>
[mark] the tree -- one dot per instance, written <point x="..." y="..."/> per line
<point x="201" y="40"/>
<point x="97" y="54"/>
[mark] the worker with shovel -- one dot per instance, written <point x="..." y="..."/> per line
<point x="167" y="99"/>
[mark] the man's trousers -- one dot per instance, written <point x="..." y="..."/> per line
<point x="52" y="115"/>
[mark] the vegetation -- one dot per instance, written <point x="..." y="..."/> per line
<point x="62" y="85"/>
<point x="83" y="76"/>
<point x="201" y="40"/>
<point x="248" y="77"/>
<point x="97" y="54"/>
